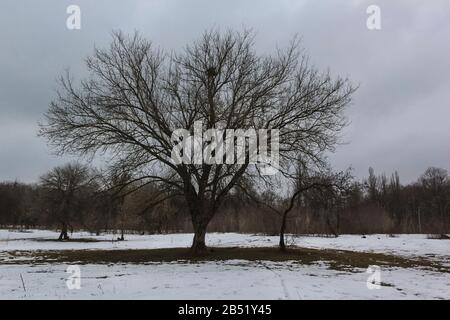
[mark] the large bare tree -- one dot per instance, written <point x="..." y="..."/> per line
<point x="136" y="96"/>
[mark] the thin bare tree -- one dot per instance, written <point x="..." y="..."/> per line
<point x="301" y="181"/>
<point x="66" y="187"/>
<point x="436" y="186"/>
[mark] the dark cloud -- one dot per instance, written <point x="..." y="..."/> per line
<point x="399" y="119"/>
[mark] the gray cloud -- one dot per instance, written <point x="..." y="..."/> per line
<point x="399" y="119"/>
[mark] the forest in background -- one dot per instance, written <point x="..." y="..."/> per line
<point x="77" y="197"/>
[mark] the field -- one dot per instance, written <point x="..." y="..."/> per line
<point x="239" y="266"/>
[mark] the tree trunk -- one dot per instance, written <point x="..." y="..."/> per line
<point x="63" y="235"/>
<point x="282" y="231"/>
<point x="200" y="224"/>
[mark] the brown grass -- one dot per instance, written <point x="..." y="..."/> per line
<point x="335" y="259"/>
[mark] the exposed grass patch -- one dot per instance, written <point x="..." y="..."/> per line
<point x="335" y="259"/>
<point x="81" y="240"/>
<point x="438" y="237"/>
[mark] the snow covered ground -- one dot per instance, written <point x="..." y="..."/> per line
<point x="415" y="245"/>
<point x="233" y="279"/>
<point x="224" y="280"/>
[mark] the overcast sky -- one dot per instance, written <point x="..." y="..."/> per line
<point x="400" y="118"/>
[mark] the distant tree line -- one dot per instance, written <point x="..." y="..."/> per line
<point x="77" y="197"/>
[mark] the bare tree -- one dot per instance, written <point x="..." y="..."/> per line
<point x="328" y="197"/>
<point x="137" y="96"/>
<point x="116" y="188"/>
<point x="325" y="182"/>
<point x="436" y="185"/>
<point x="64" y="188"/>
<point x="371" y="184"/>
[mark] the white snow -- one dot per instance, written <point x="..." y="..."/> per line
<point x="221" y="280"/>
<point x="414" y="245"/>
<point x="224" y="280"/>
